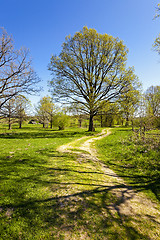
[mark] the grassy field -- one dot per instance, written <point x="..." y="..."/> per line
<point x="135" y="159"/>
<point x="45" y="194"/>
<point x="31" y="171"/>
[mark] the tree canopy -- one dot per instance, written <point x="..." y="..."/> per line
<point x="90" y="69"/>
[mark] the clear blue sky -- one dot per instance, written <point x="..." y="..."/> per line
<point x="42" y="25"/>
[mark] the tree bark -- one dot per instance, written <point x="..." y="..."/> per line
<point x="101" y="120"/>
<point x="9" y="124"/>
<point x="127" y="120"/>
<point x="51" y="122"/>
<point x="132" y="125"/>
<point x="80" y="122"/>
<point x="122" y="122"/>
<point x="91" y="128"/>
<point x="20" y="124"/>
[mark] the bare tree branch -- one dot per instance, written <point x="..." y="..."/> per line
<point x="16" y="72"/>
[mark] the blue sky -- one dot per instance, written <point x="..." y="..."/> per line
<point x="42" y="27"/>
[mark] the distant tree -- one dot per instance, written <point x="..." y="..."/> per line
<point x="50" y="110"/>
<point x="41" y="113"/>
<point x="152" y="96"/>
<point x="107" y="115"/>
<point x="112" y="115"/>
<point x="21" y="105"/>
<point x="129" y="101"/>
<point x="16" y="73"/>
<point x="61" y="120"/>
<point x="8" y="112"/>
<point x="45" y="111"/>
<point x="90" y="69"/>
<point x="77" y="112"/>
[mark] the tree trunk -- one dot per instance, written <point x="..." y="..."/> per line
<point x="61" y="128"/>
<point x="127" y="120"/>
<point x="91" y="128"/>
<point x="132" y="125"/>
<point x="9" y="124"/>
<point x="20" y="124"/>
<point x="101" y="120"/>
<point x="80" y="123"/>
<point x="51" y="122"/>
<point x="110" y="124"/>
<point x="122" y="122"/>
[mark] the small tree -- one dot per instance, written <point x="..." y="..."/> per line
<point x="22" y="104"/>
<point x="8" y="112"/>
<point x="152" y="97"/>
<point x="50" y="110"/>
<point x="45" y="111"/>
<point x="61" y="120"/>
<point x="77" y="112"/>
<point x="107" y="115"/>
<point x="129" y="102"/>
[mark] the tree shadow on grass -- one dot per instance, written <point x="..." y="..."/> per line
<point x="26" y="133"/>
<point x="41" y="134"/>
<point x="138" y="180"/>
<point x="43" y="205"/>
<point x="78" y="214"/>
<point x="133" y="161"/>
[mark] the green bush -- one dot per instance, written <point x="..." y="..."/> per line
<point x="61" y="120"/>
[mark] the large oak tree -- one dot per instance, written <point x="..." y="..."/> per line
<point x="90" y="70"/>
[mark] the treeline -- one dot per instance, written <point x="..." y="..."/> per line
<point x="132" y="109"/>
<point x="136" y="109"/>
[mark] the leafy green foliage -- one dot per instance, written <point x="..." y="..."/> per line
<point x="152" y="96"/>
<point x="90" y="69"/>
<point x="129" y="102"/>
<point x="45" y="111"/>
<point x="61" y="120"/>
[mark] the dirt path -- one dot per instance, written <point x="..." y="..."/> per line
<point x="129" y="202"/>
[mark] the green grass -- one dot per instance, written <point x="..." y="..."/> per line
<point x="30" y="171"/>
<point x="45" y="194"/>
<point x="136" y="160"/>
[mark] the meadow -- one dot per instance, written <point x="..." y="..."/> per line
<point x="47" y="194"/>
<point x="136" y="159"/>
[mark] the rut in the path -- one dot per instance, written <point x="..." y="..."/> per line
<point x="130" y="203"/>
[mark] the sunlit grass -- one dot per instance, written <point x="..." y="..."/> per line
<point x="46" y="194"/>
<point x="134" y="158"/>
